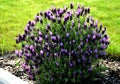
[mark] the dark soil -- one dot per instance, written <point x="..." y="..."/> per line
<point x="112" y="74"/>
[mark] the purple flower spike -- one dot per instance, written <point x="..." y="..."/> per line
<point x="71" y="65"/>
<point x="41" y="21"/>
<point x="54" y="10"/>
<point x="24" y="65"/>
<point x="73" y="23"/>
<point x="29" y="22"/>
<point x="57" y="63"/>
<point x="31" y="47"/>
<point x="71" y="6"/>
<point x="37" y="18"/>
<point x="52" y="18"/>
<point x="73" y="41"/>
<point x="41" y="52"/>
<point x="40" y="33"/>
<point x="65" y="9"/>
<point x="96" y="24"/>
<point x="45" y="14"/>
<point x="17" y="41"/>
<point x="46" y="37"/>
<point x="33" y="23"/>
<point x="104" y="29"/>
<point x="102" y="47"/>
<point x="59" y="20"/>
<point x="20" y="53"/>
<point x="91" y="24"/>
<point x="41" y="13"/>
<point x="90" y="69"/>
<point x="48" y="26"/>
<point x="61" y="44"/>
<point x="88" y="10"/>
<point x="78" y="60"/>
<point x="32" y="36"/>
<point x="100" y="26"/>
<point x="96" y="50"/>
<point x="60" y="12"/>
<point x="30" y="77"/>
<point x="81" y="44"/>
<point x="67" y="35"/>
<point x="40" y="39"/>
<point x="86" y="40"/>
<point x="78" y="13"/>
<point x="26" y="30"/>
<point x="84" y="58"/>
<point x="94" y="37"/>
<point x="88" y="36"/>
<point x="37" y="55"/>
<point x="50" y="33"/>
<point x="96" y="56"/>
<point x="53" y="38"/>
<point x="58" y="38"/>
<point x="28" y="55"/>
<point x="27" y="47"/>
<point x="85" y="25"/>
<point x="36" y="39"/>
<point x="66" y="17"/>
<point x="17" y="52"/>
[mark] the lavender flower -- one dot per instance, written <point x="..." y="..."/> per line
<point x="41" y="52"/>
<point x="40" y="39"/>
<point x="94" y="37"/>
<point x="88" y="10"/>
<point x="67" y="35"/>
<point x="53" y="38"/>
<point x="62" y="41"/>
<point x="59" y="20"/>
<point x="66" y="18"/>
<point x="37" y="18"/>
<point x="90" y="69"/>
<point x="71" y="65"/>
<point x="41" y="13"/>
<point x="83" y="58"/>
<point x="41" y="21"/>
<point x="85" y="25"/>
<point x="61" y="44"/>
<point x="17" y="52"/>
<point x="71" y="6"/>
<point x="50" y="33"/>
<point x="78" y="60"/>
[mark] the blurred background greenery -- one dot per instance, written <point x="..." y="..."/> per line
<point x="14" y="15"/>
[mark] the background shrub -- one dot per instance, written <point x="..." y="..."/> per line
<point x="61" y="44"/>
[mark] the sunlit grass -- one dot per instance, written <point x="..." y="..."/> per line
<point x="14" y="15"/>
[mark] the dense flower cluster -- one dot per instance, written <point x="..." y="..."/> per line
<point x="60" y="45"/>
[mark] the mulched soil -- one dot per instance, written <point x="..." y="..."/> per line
<point x="112" y="74"/>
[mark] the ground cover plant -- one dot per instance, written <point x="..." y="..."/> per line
<point x="61" y="44"/>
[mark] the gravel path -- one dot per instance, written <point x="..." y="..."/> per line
<point x="112" y="74"/>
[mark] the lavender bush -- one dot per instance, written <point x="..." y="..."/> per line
<point x="61" y="44"/>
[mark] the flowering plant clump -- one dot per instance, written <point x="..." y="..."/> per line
<point x="61" y="45"/>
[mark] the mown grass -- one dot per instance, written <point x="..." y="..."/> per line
<point x="14" y="15"/>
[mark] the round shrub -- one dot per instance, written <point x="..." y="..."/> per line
<point x="61" y="44"/>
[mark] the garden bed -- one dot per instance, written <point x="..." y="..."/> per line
<point x="112" y="74"/>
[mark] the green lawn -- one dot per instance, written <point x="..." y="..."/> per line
<point x="14" y="15"/>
